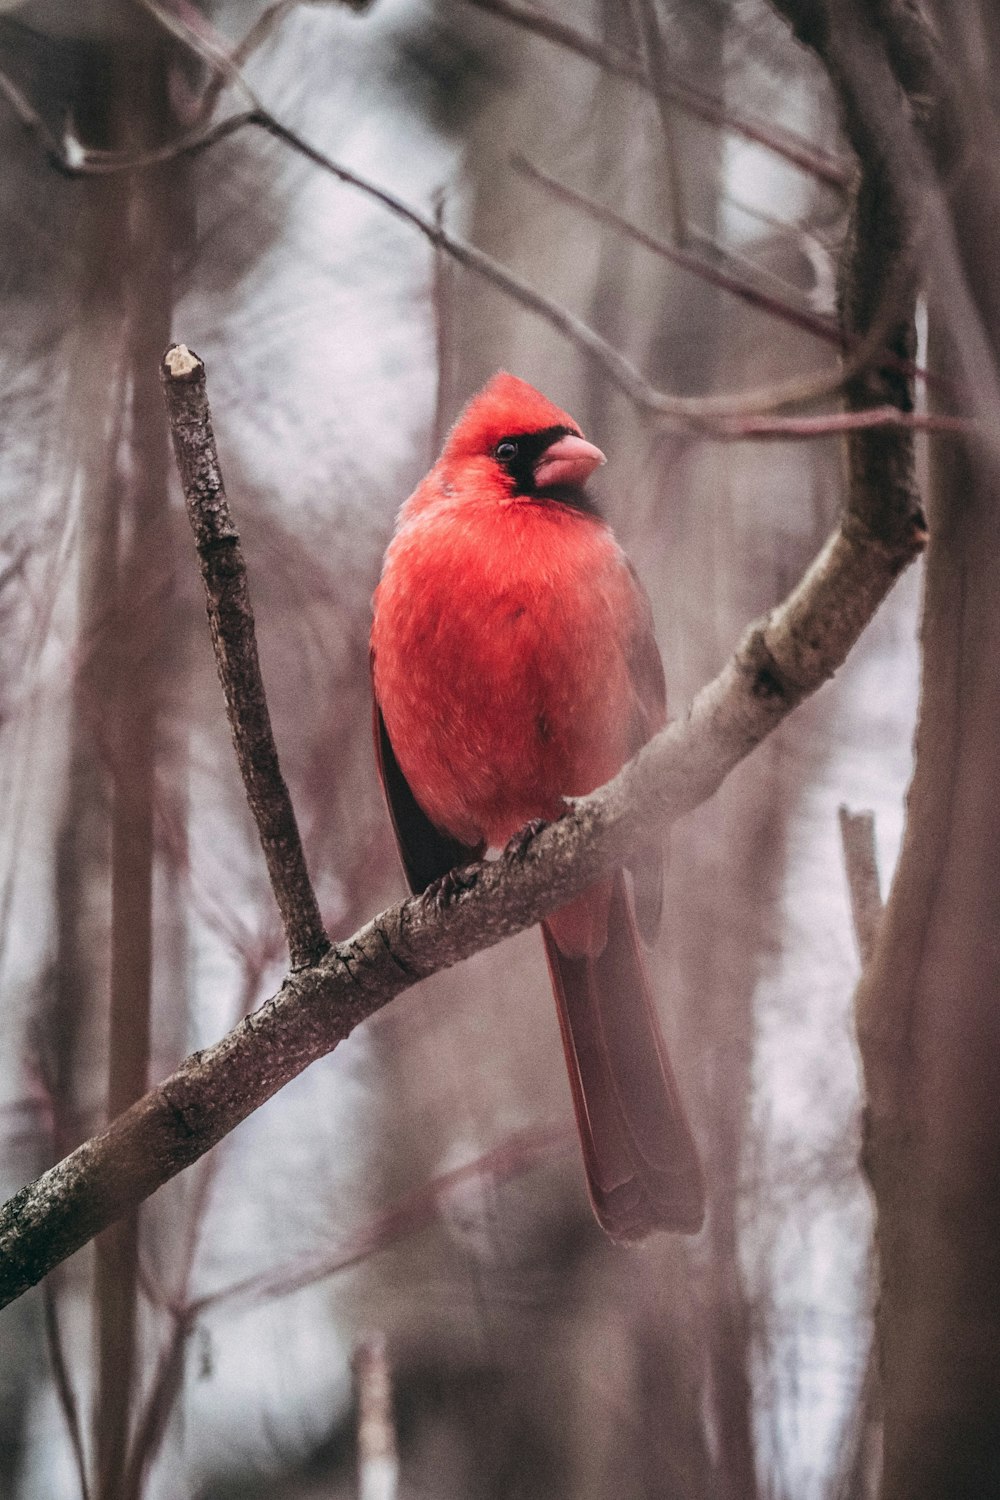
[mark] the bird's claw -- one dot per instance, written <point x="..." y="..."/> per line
<point x="518" y="845"/>
<point x="446" y="891"/>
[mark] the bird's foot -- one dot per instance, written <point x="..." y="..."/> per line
<point x="519" y="844"/>
<point x="446" y="891"/>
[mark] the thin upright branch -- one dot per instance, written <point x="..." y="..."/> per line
<point x="63" y="1382"/>
<point x="782" y="660"/>
<point x="857" y="835"/>
<point x="442" y="304"/>
<point x="151" y="1424"/>
<point x="378" y="1460"/>
<point x="233" y="639"/>
<point x="658" y="81"/>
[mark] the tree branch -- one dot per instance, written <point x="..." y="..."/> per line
<point x="230" y="617"/>
<point x="782" y="659"/>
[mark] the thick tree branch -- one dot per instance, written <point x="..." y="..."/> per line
<point x="782" y="659"/>
<point x="231" y="620"/>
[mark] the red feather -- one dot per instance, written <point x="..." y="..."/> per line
<point x="514" y="664"/>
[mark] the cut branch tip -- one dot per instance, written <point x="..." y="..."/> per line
<point x="181" y="363"/>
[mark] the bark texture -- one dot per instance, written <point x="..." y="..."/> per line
<point x="230" y="618"/>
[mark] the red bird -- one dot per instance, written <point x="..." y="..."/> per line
<point x="514" y="664"/>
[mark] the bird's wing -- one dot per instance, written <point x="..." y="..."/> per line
<point x="645" y="668"/>
<point x="426" y="853"/>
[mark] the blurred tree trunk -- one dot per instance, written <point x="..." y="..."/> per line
<point x="931" y="1027"/>
<point x="929" y="1018"/>
<point x="120" y="465"/>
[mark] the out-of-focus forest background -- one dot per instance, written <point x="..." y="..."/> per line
<point x="423" y="1181"/>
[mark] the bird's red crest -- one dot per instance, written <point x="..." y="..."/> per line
<point x="505" y="407"/>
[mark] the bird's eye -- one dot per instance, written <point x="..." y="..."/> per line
<point x="506" y="451"/>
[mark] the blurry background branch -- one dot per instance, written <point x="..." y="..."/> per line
<point x="697" y="102"/>
<point x="857" y="833"/>
<point x="736" y="416"/>
<point x="378" y="1460"/>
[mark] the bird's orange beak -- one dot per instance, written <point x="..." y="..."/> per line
<point x="569" y="460"/>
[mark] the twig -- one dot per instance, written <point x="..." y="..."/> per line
<point x="441" y="299"/>
<point x="64" y="1384"/>
<point x="409" y="1214"/>
<point x="151" y="1425"/>
<point x="231" y="619"/>
<point x="828" y="329"/>
<point x="519" y="1153"/>
<point x="800" y="317"/>
<point x="869" y="419"/>
<point x="378" y="1461"/>
<point x="707" y="415"/>
<point x="723" y="417"/>
<point x="857" y="835"/>
<point x="782" y="660"/>
<point x="33" y="122"/>
<point x="697" y="102"/>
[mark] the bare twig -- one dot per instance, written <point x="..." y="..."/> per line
<point x="231" y="619"/>
<point x="378" y="1461"/>
<point x="869" y="419"/>
<point x="519" y="1153"/>
<point x="782" y="660"/>
<point x="33" y="122"/>
<point x="64" y="1384"/>
<point x="152" y="1422"/>
<point x="725" y="417"/>
<point x="442" y="300"/>
<point x="857" y="835"/>
<point x="414" y="1211"/>
<point x="861" y="351"/>
<point x="821" y="327"/>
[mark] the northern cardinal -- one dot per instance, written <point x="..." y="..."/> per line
<point x="513" y="665"/>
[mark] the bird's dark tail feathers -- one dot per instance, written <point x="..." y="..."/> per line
<point x="642" y="1164"/>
